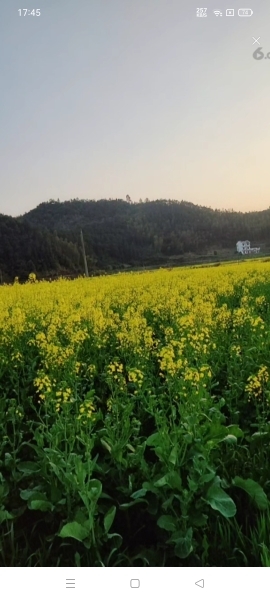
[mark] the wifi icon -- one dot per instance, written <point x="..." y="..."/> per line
<point x="218" y="13"/>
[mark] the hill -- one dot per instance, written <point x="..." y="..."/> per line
<point x="25" y="249"/>
<point x="119" y="234"/>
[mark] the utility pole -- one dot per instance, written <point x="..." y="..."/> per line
<point x="84" y="256"/>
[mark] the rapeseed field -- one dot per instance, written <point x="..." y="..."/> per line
<point x="135" y="419"/>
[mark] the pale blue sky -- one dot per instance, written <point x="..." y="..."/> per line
<point x="103" y="98"/>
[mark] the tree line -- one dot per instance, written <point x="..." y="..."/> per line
<point x="118" y="233"/>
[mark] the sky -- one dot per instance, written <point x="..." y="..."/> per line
<point x="104" y="98"/>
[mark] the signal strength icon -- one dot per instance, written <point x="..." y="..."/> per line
<point x="218" y="13"/>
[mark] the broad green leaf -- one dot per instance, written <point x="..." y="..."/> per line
<point x="109" y="518"/>
<point x="5" y="515"/>
<point x="153" y="439"/>
<point x="95" y="485"/>
<point x="139" y="494"/>
<point x="216" y="432"/>
<point x="28" y="467"/>
<point x="26" y="494"/>
<point x="235" y="430"/>
<point x="80" y="516"/>
<point x="167" y="522"/>
<point x="74" y="530"/>
<point x="33" y="495"/>
<point x="162" y="481"/>
<point x="43" y="505"/>
<point x="220" y="501"/>
<point x="207" y="477"/>
<point x="231" y="439"/>
<point x="149" y="486"/>
<point x="254" y="490"/>
<point x="160" y="452"/>
<point x="172" y="479"/>
<point x="183" y="545"/>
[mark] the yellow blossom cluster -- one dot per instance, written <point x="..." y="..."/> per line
<point x="256" y="383"/>
<point x="128" y="328"/>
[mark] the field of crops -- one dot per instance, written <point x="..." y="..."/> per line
<point x="135" y="419"/>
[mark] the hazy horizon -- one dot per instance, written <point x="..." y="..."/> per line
<point x="102" y="100"/>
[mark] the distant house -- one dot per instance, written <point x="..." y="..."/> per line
<point x="244" y="248"/>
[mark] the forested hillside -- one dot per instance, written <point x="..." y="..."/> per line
<point x="118" y="233"/>
<point x="25" y="249"/>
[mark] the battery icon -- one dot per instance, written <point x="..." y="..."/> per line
<point x="245" y="12"/>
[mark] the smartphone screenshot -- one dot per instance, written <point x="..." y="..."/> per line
<point x="134" y="297"/>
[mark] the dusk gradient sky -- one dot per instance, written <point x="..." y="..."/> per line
<point x="103" y="98"/>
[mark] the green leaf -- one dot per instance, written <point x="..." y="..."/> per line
<point x="43" y="505"/>
<point x="74" y="530"/>
<point x="220" y="501"/>
<point x="153" y="440"/>
<point x="167" y="522"/>
<point x="5" y="515"/>
<point x="106" y="446"/>
<point x="231" y="439"/>
<point x="162" y="481"/>
<point x="139" y="494"/>
<point x="109" y="518"/>
<point x="94" y="489"/>
<point x="34" y="496"/>
<point x="172" y="479"/>
<point x="26" y="494"/>
<point x="173" y="455"/>
<point x="28" y="467"/>
<point x="129" y="504"/>
<point x="160" y="452"/>
<point x="4" y="490"/>
<point x="235" y="430"/>
<point x="183" y="546"/>
<point x="80" y="516"/>
<point x="207" y="477"/>
<point x="149" y="486"/>
<point x="56" y="494"/>
<point x="254" y="490"/>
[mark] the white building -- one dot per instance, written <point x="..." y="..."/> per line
<point x="244" y="248"/>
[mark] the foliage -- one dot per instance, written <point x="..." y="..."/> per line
<point x="135" y="419"/>
<point x="119" y="235"/>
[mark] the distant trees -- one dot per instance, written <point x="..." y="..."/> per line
<point x="46" y="240"/>
<point x="25" y="249"/>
